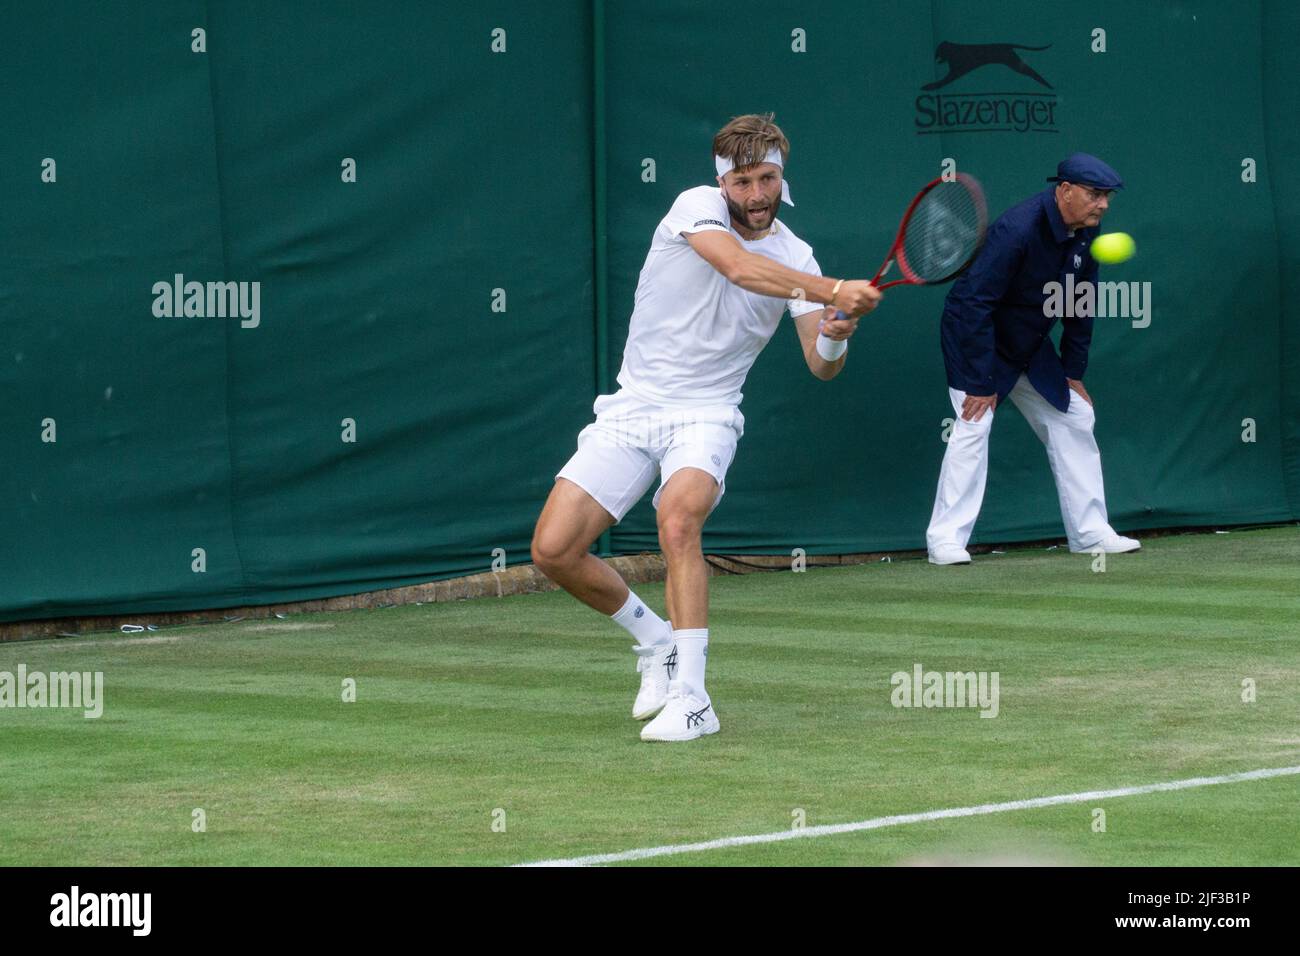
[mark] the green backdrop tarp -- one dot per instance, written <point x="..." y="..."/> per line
<point x="471" y="130"/>
<point x="1175" y="103"/>
<point x="472" y="175"/>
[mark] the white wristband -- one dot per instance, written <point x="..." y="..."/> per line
<point x="830" y="349"/>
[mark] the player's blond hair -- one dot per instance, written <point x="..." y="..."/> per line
<point x="747" y="139"/>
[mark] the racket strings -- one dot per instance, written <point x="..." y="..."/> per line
<point x="944" y="231"/>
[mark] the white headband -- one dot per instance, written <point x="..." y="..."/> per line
<point x="725" y="166"/>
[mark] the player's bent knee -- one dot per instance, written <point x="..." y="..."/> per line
<point x="551" y="555"/>
<point x="541" y="558"/>
<point x="679" y="533"/>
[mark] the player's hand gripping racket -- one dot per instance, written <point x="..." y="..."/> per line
<point x="941" y="232"/>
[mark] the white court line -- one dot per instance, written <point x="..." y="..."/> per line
<point x="880" y="822"/>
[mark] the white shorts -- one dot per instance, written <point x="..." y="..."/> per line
<point x="630" y="440"/>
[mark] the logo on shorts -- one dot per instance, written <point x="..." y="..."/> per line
<point x="1078" y="261"/>
<point x="717" y="461"/>
<point x="639" y="612"/>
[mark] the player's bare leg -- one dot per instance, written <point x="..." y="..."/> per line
<point x="684" y="505"/>
<point x="668" y="596"/>
<point x="570" y="522"/>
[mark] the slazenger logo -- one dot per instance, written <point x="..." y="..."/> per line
<point x="964" y="57"/>
<point x="103" y="909"/>
<point x="992" y="112"/>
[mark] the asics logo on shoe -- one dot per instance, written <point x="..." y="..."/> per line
<point x="696" y="717"/>
<point x="670" y="662"/>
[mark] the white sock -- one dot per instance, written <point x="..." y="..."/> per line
<point x="692" y="653"/>
<point x="642" y="623"/>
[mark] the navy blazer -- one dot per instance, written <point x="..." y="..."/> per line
<point x="993" y="326"/>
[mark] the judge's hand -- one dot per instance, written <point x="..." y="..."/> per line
<point x="975" y="406"/>
<point x="1077" y="385"/>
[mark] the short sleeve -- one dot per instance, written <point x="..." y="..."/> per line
<point x="698" y="210"/>
<point x="800" y="307"/>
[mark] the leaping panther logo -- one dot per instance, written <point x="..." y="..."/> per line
<point x="964" y="57"/>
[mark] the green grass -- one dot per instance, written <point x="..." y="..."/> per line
<point x="1129" y="677"/>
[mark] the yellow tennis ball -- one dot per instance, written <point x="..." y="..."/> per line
<point x="1113" y="247"/>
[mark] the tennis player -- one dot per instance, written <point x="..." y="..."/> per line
<point x="721" y="271"/>
<point x="996" y="343"/>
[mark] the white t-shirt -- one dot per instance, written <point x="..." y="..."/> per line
<point x="694" y="335"/>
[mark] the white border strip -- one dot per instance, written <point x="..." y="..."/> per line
<point x="880" y="822"/>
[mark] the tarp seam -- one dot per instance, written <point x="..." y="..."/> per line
<point x="230" y="328"/>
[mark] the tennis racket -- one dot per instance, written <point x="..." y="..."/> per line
<point x="940" y="235"/>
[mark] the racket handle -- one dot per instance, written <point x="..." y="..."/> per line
<point x="840" y="316"/>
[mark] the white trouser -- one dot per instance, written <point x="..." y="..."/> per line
<point x="1071" y="450"/>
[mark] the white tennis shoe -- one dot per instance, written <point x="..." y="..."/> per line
<point x="1113" y="544"/>
<point x="685" y="716"/>
<point x="949" y="554"/>
<point x="657" y="665"/>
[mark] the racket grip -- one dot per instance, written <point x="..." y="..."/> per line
<point x="840" y="316"/>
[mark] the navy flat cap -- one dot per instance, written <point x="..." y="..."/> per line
<point x="1086" y="171"/>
